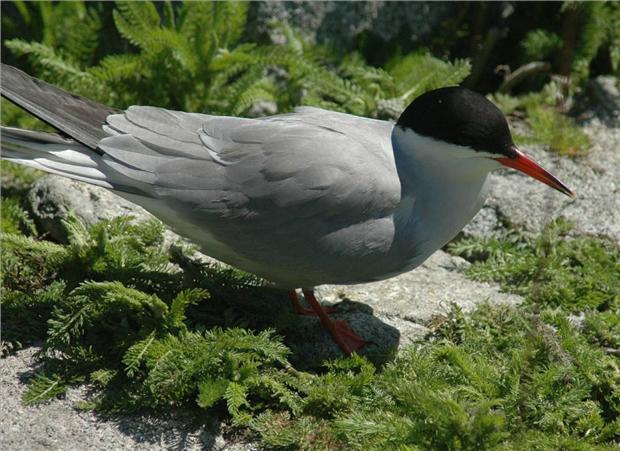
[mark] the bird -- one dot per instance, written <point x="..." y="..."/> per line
<point x="300" y="199"/>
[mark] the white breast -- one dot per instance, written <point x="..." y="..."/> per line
<point x="444" y="186"/>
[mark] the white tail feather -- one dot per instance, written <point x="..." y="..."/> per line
<point x="54" y="154"/>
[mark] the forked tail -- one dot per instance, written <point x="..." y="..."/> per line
<point x="53" y="153"/>
<point x="82" y="121"/>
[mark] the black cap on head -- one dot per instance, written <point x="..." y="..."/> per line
<point x="459" y="116"/>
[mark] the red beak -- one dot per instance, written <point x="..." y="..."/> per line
<point x="525" y="164"/>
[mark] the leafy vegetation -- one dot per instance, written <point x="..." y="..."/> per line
<point x="152" y="329"/>
<point x="586" y="31"/>
<point x="193" y="58"/>
<point x="553" y="269"/>
<point x="546" y="124"/>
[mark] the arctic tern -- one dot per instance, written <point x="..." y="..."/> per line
<point x="301" y="199"/>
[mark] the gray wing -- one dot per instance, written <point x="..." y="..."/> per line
<point x="257" y="182"/>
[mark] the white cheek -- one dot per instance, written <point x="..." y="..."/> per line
<point x="425" y="147"/>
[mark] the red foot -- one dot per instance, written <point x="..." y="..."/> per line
<point x="347" y="340"/>
<point x="306" y="311"/>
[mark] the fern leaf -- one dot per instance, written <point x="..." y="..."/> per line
<point x="117" y="67"/>
<point x="78" y="234"/>
<point x="230" y="19"/>
<point x="134" y="356"/>
<point x="236" y="399"/>
<point x="137" y="22"/>
<point x="43" y="388"/>
<point x="65" y="327"/>
<point x="81" y="40"/>
<point x="182" y="300"/>
<point x="25" y="243"/>
<point x="211" y="391"/>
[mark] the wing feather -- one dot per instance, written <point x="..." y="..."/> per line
<point x="260" y="185"/>
<point x="283" y="161"/>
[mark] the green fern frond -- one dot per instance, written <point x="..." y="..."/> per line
<point x="117" y="67"/>
<point x="197" y="27"/>
<point x="184" y="299"/>
<point x="44" y="388"/>
<point x="23" y="11"/>
<point x="286" y="397"/>
<point x="418" y="73"/>
<point x="64" y="328"/>
<point x="24" y="243"/>
<point x="45" y="57"/>
<point x="82" y="37"/>
<point x="539" y="44"/>
<point x="252" y="96"/>
<point x="137" y="22"/>
<point x="237" y="403"/>
<point x="135" y="355"/>
<point x="117" y="293"/>
<point x="211" y="391"/>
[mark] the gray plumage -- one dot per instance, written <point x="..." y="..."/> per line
<point x="302" y="199"/>
<point x="272" y="195"/>
<point x="76" y="116"/>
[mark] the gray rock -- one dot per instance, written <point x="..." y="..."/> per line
<point x="604" y="92"/>
<point x="53" y="198"/>
<point x="407" y="302"/>
<point x="340" y="23"/>
<point x="521" y="201"/>
<point x="262" y="108"/>
<point x="59" y="426"/>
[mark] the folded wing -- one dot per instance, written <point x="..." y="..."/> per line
<point x="273" y="186"/>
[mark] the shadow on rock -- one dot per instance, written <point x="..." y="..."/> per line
<point x="312" y="345"/>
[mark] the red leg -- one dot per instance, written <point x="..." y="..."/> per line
<point x="300" y="309"/>
<point x="343" y="335"/>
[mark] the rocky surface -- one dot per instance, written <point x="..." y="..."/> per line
<point x="518" y="200"/>
<point x="344" y="22"/>
<point x="53" y="198"/>
<point x="59" y="426"/>
<point x="395" y="312"/>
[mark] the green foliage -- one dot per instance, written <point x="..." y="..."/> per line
<point x="43" y="388"/>
<point x="501" y="377"/>
<point x="575" y="39"/>
<point x="14" y="218"/>
<point x="15" y="181"/>
<point x="192" y="57"/>
<point x="559" y="132"/>
<point x="540" y="44"/>
<point x="547" y="124"/>
<point x="552" y="269"/>
<point x="417" y="73"/>
<point x="599" y="30"/>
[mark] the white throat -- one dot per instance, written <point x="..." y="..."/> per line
<point x="443" y="187"/>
